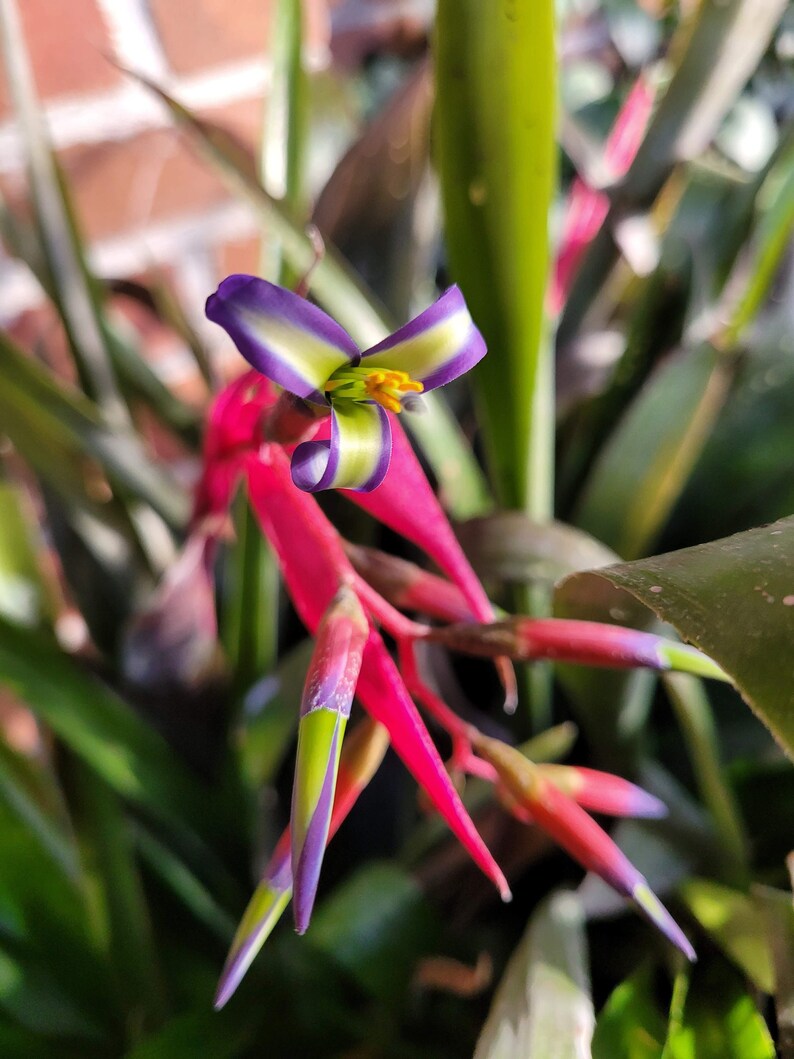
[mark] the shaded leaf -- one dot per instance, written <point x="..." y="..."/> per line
<point x="376" y="925"/>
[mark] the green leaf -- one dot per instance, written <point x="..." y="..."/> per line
<point x="717" y="1020"/>
<point x="23" y="597"/>
<point x="649" y="457"/>
<point x="778" y="916"/>
<point x="270" y="716"/>
<point x="53" y="978"/>
<point x="37" y="413"/>
<point x="376" y="925"/>
<point x="699" y="729"/>
<point x="733" y="599"/>
<point x="29" y="791"/>
<point x="250" y="610"/>
<point x="630" y="1025"/>
<point x="611" y="706"/>
<point x="101" y="729"/>
<point x="61" y="249"/>
<point x="715" y="51"/>
<point x="542" y="1006"/>
<point x="496" y="152"/>
<point x="736" y="925"/>
<point x="121" y="914"/>
<point x="509" y="547"/>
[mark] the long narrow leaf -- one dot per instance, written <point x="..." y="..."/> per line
<point x="495" y="134"/>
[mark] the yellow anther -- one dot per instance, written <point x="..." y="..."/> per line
<point x="381" y="385"/>
<point x="385" y="387"/>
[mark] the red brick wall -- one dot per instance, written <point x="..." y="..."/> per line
<point x="143" y="198"/>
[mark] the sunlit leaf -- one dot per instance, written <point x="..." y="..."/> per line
<point x="736" y="925"/>
<point x="543" y="1005"/>
<point x="495" y="149"/>
<point x="630" y="1025"/>
<point x="733" y="599"/>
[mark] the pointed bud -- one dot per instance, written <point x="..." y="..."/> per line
<point x="601" y="792"/>
<point x="407" y="586"/>
<point x="588" y="643"/>
<point x="361" y="756"/>
<point x="327" y="697"/>
<point x="578" y="834"/>
<point x="264" y="910"/>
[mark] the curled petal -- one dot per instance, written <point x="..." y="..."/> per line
<point x="283" y="336"/>
<point x="357" y="456"/>
<point x="434" y="348"/>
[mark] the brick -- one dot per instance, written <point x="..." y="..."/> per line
<point x="239" y="255"/>
<point x="154" y="176"/>
<point x="117" y="187"/>
<point x="209" y="33"/>
<point x="67" y="41"/>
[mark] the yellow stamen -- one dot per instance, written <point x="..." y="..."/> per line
<point x="385" y="387"/>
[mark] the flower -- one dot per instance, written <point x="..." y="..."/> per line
<point x="296" y="345"/>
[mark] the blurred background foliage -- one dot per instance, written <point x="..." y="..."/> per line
<point x="145" y="769"/>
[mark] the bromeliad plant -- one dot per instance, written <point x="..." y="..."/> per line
<point x="346" y="596"/>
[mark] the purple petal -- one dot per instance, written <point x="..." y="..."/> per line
<point x="282" y="335"/>
<point x="357" y="456"/>
<point x="434" y="348"/>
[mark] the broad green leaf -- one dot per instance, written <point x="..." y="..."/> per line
<point x="736" y="925"/>
<point x="376" y="925"/>
<point x="630" y="1025"/>
<point x="718" y="1019"/>
<point x="611" y="706"/>
<point x="496" y="154"/>
<point x="734" y="599"/>
<point x="542" y="1005"/>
